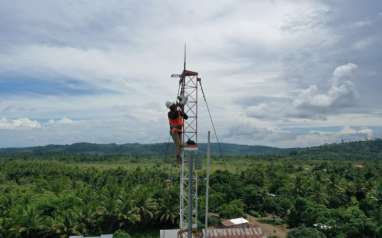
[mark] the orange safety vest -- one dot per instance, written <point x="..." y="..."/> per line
<point x="176" y="125"/>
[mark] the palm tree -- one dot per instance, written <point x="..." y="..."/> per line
<point x="67" y="223"/>
<point x="127" y="215"/>
<point x="144" y="204"/>
<point x="28" y="223"/>
<point x="168" y="212"/>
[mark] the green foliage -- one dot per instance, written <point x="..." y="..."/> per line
<point x="303" y="232"/>
<point x="51" y="199"/>
<point x="358" y="150"/>
<point x="59" y="195"/>
<point x="234" y="208"/>
<point x="121" y="234"/>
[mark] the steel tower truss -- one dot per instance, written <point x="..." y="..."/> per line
<point x="188" y="196"/>
<point x="189" y="88"/>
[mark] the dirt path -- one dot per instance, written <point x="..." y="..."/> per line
<point x="270" y="230"/>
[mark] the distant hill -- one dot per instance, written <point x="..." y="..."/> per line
<point x="141" y="149"/>
<point x="350" y="150"/>
<point x="371" y="149"/>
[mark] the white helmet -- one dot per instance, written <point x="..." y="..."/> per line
<point x="169" y="104"/>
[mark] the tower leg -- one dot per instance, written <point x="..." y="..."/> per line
<point x="190" y="193"/>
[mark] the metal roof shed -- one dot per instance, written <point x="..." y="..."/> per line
<point x="173" y="233"/>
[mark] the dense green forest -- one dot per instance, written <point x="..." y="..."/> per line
<point x="327" y="191"/>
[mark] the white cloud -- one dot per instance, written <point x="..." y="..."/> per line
<point x="361" y="133"/>
<point x="344" y="72"/>
<point x="347" y="133"/>
<point x="342" y="92"/>
<point x="263" y="110"/>
<point x="290" y="137"/>
<point x="311" y="97"/>
<point x="62" y="121"/>
<point x="19" y="123"/>
<point x="300" y="137"/>
<point x="312" y="102"/>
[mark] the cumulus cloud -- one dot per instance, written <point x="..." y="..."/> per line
<point x="341" y="93"/>
<point x="296" y="136"/>
<point x="311" y="102"/>
<point x="346" y="134"/>
<point x="362" y="133"/>
<point x="27" y="123"/>
<point x="19" y="123"/>
<point x="344" y="72"/>
<point x="62" y="121"/>
<point x="262" y="111"/>
<point x="249" y="133"/>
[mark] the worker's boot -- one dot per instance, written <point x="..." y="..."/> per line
<point x="190" y="144"/>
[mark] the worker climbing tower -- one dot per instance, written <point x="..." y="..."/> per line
<point x="188" y="194"/>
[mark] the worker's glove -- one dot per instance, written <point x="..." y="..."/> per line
<point x="182" y="100"/>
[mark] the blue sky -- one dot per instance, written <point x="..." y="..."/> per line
<point x="280" y="73"/>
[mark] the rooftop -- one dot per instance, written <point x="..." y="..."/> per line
<point x="244" y="232"/>
<point x="235" y="222"/>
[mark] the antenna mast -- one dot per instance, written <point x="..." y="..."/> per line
<point x="188" y="192"/>
<point x="185" y="56"/>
